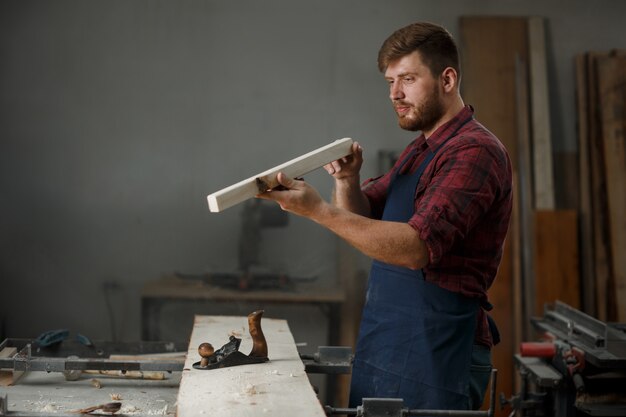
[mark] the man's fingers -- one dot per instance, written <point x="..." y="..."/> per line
<point x="284" y="180"/>
<point x="337" y="166"/>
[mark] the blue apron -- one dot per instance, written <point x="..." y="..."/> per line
<point x="415" y="339"/>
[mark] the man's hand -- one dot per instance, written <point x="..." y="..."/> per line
<point x="295" y="196"/>
<point x="347" y="167"/>
<point x="391" y="242"/>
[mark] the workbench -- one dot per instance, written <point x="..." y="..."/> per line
<point x="171" y="294"/>
<point x="51" y="394"/>
<point x="279" y="387"/>
<point x="171" y="289"/>
<point x="64" y="378"/>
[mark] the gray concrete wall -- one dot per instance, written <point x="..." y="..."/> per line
<point x="117" y="118"/>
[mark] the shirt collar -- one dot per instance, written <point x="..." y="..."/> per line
<point x="447" y="129"/>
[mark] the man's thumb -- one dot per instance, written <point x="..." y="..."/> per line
<point x="284" y="180"/>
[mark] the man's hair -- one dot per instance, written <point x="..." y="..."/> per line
<point x="436" y="46"/>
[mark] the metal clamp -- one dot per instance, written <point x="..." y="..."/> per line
<point x="394" y="407"/>
<point x="331" y="360"/>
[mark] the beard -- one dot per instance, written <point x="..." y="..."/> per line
<point x="425" y="115"/>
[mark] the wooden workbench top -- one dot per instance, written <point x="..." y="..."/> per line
<point x="178" y="288"/>
<point x="279" y="387"/>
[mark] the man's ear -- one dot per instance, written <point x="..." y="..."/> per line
<point x="449" y="79"/>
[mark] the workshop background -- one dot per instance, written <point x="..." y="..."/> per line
<point x="117" y="119"/>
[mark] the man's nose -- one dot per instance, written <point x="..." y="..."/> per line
<point x="395" y="91"/>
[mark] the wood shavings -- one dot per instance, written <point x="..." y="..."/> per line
<point x="108" y="408"/>
<point x="236" y="333"/>
<point x="130" y="409"/>
<point x="116" y="396"/>
<point x="96" y="383"/>
<point x="133" y="410"/>
<point x="250" y="389"/>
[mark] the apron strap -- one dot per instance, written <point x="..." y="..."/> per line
<point x="493" y="328"/>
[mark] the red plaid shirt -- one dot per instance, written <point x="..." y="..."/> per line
<point x="462" y="206"/>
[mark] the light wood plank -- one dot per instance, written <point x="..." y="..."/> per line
<point x="248" y="188"/>
<point x="522" y="217"/>
<point x="540" y="116"/>
<point x="279" y="387"/>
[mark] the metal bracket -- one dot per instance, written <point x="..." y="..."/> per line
<point x="331" y="360"/>
<point x="381" y="407"/>
<point x="541" y="372"/>
<point x="70" y="356"/>
<point x="394" y="407"/>
<point x="604" y="344"/>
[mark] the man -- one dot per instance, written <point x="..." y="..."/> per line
<point x="434" y="225"/>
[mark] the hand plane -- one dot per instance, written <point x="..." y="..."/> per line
<point x="229" y="354"/>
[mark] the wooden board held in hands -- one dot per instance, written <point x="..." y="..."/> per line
<point x="248" y="188"/>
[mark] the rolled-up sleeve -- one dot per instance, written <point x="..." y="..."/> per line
<point x="462" y="188"/>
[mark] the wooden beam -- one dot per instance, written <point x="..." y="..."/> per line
<point x="266" y="180"/>
<point x="522" y="233"/>
<point x="588" y="282"/>
<point x="599" y="222"/>
<point x="279" y="387"/>
<point x="540" y="115"/>
<point x="612" y="92"/>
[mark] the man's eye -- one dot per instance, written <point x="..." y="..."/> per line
<point x="408" y="79"/>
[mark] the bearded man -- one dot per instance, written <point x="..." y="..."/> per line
<point x="434" y="226"/>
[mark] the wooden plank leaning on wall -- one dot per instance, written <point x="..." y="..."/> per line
<point x="543" y="178"/>
<point x="555" y="273"/>
<point x="588" y="287"/>
<point x="601" y="143"/>
<point x="612" y="93"/>
<point x="489" y="47"/>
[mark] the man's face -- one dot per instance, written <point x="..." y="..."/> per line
<point x="414" y="93"/>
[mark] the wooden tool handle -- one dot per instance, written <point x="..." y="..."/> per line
<point x="259" y="345"/>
